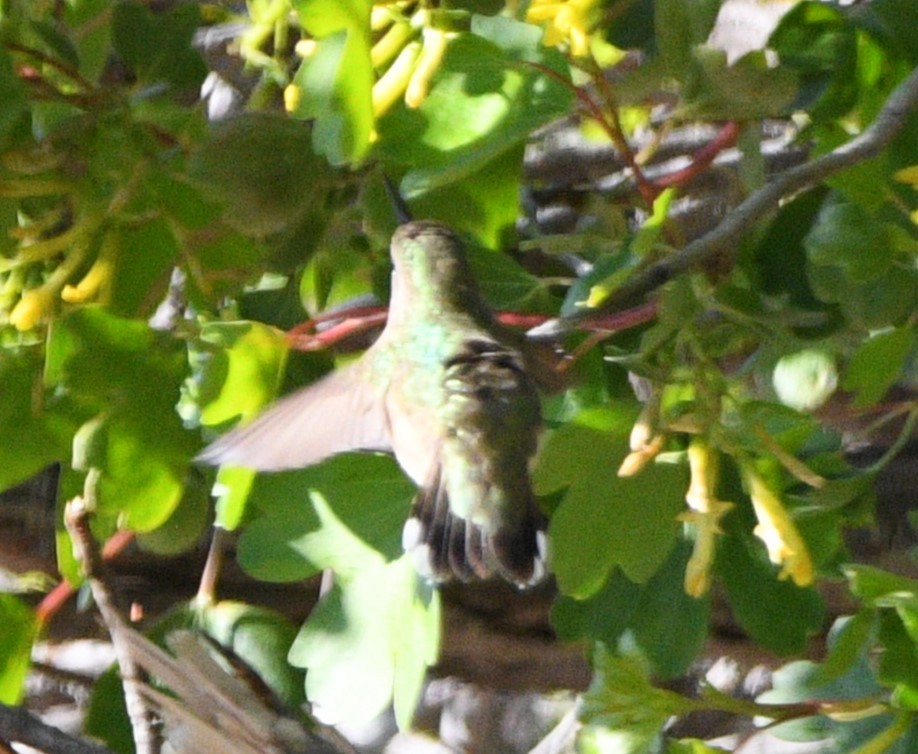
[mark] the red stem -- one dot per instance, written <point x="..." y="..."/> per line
<point x="54" y="600"/>
<point x="726" y="137"/>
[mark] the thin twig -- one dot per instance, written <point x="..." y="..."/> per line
<point x="725" y="238"/>
<point x="76" y="518"/>
<point x="213" y="566"/>
<point x="54" y="600"/>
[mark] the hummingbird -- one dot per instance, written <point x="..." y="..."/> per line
<point x="449" y="391"/>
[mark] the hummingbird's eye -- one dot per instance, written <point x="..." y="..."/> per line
<point x="410" y="252"/>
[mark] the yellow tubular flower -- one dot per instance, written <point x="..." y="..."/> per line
<point x="431" y="55"/>
<point x="645" y="441"/>
<point x="32" y="308"/>
<point x="777" y="529"/>
<point x="391" y="43"/>
<point x="306" y="48"/>
<point x="37" y="304"/>
<point x="97" y="282"/>
<point x="569" y="22"/>
<point x="293" y="94"/>
<point x="705" y="514"/>
<point x="393" y="83"/>
<point x="381" y="16"/>
<point x="637" y="459"/>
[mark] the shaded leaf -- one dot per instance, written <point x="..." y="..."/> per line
<point x="776" y="614"/>
<point x="628" y="522"/>
<point x="157" y="46"/>
<point x="878" y="364"/>
<point x="340" y="514"/>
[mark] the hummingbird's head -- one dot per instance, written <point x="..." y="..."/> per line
<point x="427" y="255"/>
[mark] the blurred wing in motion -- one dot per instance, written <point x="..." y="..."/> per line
<point x="340" y="412"/>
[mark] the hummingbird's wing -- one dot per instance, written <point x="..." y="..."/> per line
<point x="340" y="412"/>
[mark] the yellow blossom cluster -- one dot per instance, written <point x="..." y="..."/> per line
<point x="567" y="22"/>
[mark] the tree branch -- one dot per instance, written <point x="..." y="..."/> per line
<point x="76" y="519"/>
<point x="725" y="238"/>
<point x="19" y="725"/>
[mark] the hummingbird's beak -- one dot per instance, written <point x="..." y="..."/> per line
<point x="402" y="212"/>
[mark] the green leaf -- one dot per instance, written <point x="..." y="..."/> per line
<point x="898" y="656"/>
<point x="878" y="364"/>
<point x="801" y="682"/>
<point x="15" y="111"/>
<point x="142" y="464"/>
<point x="622" y="710"/>
<point x="850" y="636"/>
<point x="113" y="363"/>
<point x="146" y="256"/>
<point x="94" y="40"/>
<point x="776" y="614"/>
<point x="481" y="104"/>
<point x="106" y="716"/>
<point x="887" y="300"/>
<point x="483" y="204"/>
<point x="779" y="257"/>
<point x="589" y="290"/>
<point x="238" y="370"/>
<point x="669" y="626"/>
<point x="259" y="637"/>
<point x="323" y="17"/>
<point x="819" y="44"/>
<point x="673" y="22"/>
<point x="128" y="378"/>
<point x="232" y="489"/>
<point x="337" y="79"/>
<point x="848" y="237"/>
<point x="157" y="46"/>
<point x="31" y="438"/>
<point x="184" y="527"/>
<point x="340" y="514"/>
<point x="602" y="617"/>
<point x="381" y="626"/>
<point x="506" y="285"/>
<point x="20" y="630"/>
<point x="893" y="20"/>
<point x="747" y="89"/>
<point x="868" y="583"/>
<point x="264" y="170"/>
<point x="599" y="507"/>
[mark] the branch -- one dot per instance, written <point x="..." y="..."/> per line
<point x="19" y="725"/>
<point x="76" y="518"/>
<point x="725" y="238"/>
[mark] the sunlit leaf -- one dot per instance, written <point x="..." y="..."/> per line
<point x="369" y="642"/>
<point x="240" y="369"/>
<point x="20" y="629"/>
<point x="337" y="78"/>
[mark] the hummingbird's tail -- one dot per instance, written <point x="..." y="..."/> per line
<point x="447" y="546"/>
